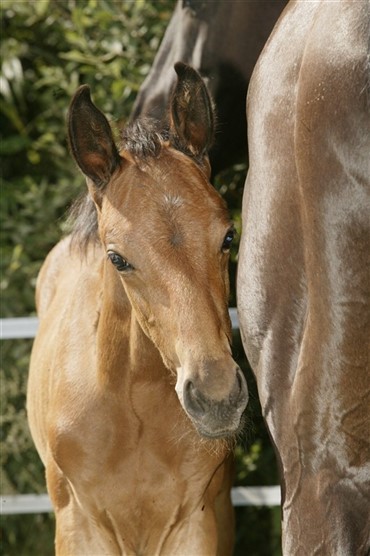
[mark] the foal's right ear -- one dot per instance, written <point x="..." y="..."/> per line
<point x="91" y="139"/>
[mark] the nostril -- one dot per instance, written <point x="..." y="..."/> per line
<point x="193" y="399"/>
<point x="189" y="389"/>
<point x="240" y="392"/>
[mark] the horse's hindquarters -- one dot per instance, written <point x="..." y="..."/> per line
<point x="303" y="286"/>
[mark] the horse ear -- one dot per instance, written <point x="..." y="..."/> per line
<point x="91" y="139"/>
<point x="191" y="112"/>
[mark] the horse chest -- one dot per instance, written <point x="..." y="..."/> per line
<point x="132" y="479"/>
<point x="118" y="450"/>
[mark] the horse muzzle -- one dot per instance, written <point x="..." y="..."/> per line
<point x="214" y="418"/>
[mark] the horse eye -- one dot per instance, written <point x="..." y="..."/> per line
<point x="119" y="262"/>
<point x="228" y="241"/>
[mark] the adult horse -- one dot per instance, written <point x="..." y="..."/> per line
<point x="303" y="278"/>
<point x="222" y="39"/>
<point x="132" y="387"/>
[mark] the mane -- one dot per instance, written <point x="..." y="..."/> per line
<point x="142" y="139"/>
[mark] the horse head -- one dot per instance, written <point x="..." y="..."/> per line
<point x="167" y="236"/>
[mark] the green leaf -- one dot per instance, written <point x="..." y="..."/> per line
<point x="13" y="144"/>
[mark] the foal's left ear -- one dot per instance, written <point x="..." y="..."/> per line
<point x="91" y="139"/>
<point x="191" y="111"/>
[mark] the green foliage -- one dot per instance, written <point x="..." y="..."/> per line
<point x="49" y="48"/>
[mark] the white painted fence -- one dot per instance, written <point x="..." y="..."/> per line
<point x="26" y="327"/>
<point x="40" y="503"/>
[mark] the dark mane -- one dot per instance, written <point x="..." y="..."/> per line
<point x="142" y="139"/>
<point x="83" y="222"/>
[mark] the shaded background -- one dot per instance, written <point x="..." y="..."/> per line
<point x="49" y="48"/>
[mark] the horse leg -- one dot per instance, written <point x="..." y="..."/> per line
<point x="225" y="517"/>
<point x="76" y="534"/>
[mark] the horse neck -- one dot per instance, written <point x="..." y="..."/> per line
<point x="124" y="352"/>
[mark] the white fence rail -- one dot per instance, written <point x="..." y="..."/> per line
<point x="26" y="327"/>
<point x="40" y="503"/>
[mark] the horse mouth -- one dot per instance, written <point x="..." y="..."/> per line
<point x="221" y="433"/>
<point x="216" y="435"/>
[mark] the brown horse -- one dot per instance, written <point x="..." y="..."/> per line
<point x="132" y="388"/>
<point x="222" y="39"/>
<point x="303" y="279"/>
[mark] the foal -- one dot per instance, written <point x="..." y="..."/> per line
<point x="132" y="385"/>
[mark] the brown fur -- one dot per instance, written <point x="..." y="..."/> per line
<point x="303" y="279"/>
<point x="130" y="368"/>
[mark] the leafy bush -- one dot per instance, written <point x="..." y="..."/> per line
<point x="48" y="48"/>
